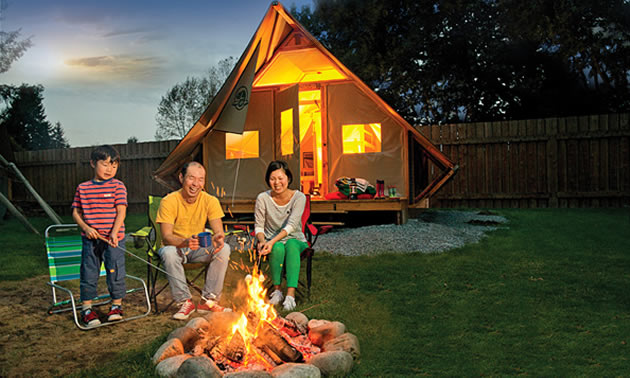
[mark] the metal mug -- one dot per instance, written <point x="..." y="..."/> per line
<point x="205" y="239"/>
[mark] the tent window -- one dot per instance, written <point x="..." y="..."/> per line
<point x="286" y="132"/>
<point x="241" y="146"/>
<point x="361" y="138"/>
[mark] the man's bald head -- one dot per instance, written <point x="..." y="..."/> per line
<point x="190" y="164"/>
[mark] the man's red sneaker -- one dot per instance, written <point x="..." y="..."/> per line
<point x="185" y="309"/>
<point x="211" y="306"/>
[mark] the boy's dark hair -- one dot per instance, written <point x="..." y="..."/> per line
<point x="278" y="164"/>
<point x="103" y="152"/>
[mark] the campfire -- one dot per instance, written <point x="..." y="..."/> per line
<point x="257" y="339"/>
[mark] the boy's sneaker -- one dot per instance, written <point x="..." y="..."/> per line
<point x="289" y="303"/>
<point x="208" y="305"/>
<point x="90" y="318"/>
<point x="276" y="297"/>
<point x="115" y="313"/>
<point x="186" y="308"/>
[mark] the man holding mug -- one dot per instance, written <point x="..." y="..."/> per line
<point x="181" y="217"/>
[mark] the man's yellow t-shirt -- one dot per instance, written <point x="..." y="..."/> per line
<point x="188" y="218"/>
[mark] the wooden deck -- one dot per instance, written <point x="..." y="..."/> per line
<point x="240" y="209"/>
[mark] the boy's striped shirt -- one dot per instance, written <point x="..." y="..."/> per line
<point x="98" y="200"/>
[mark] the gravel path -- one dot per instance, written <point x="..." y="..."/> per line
<point x="433" y="231"/>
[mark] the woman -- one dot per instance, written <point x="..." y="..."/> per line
<point x="278" y="230"/>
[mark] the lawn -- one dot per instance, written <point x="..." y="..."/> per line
<point x="545" y="296"/>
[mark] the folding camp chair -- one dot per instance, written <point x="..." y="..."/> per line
<point x="152" y="236"/>
<point x="63" y="247"/>
<point x="311" y="232"/>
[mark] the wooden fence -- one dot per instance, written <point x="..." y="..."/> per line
<point x="553" y="162"/>
<point x="55" y="174"/>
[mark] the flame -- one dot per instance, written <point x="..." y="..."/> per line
<point x="258" y="311"/>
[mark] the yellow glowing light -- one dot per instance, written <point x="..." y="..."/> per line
<point x="241" y="146"/>
<point x="361" y="138"/>
<point x="299" y="66"/>
<point x="286" y="132"/>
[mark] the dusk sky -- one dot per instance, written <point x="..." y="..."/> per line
<point x="105" y="64"/>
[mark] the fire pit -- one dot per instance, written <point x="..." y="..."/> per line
<point x="257" y="342"/>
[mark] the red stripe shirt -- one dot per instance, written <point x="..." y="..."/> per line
<point x="98" y="200"/>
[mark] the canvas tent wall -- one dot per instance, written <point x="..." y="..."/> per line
<point x="289" y="98"/>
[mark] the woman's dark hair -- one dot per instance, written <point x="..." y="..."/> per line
<point x="274" y="166"/>
<point x="103" y="152"/>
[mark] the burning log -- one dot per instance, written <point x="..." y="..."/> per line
<point x="236" y="349"/>
<point x="272" y="342"/>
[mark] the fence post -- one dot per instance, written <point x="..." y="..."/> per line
<point x="551" y="130"/>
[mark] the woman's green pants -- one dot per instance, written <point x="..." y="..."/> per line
<point x="286" y="253"/>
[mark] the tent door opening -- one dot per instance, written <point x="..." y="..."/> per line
<point x="313" y="165"/>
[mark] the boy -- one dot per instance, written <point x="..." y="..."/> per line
<point x="99" y="208"/>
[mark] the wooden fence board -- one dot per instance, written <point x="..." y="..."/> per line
<point x="558" y="159"/>
<point x="563" y="162"/>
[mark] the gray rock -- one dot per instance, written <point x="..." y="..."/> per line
<point x="314" y="323"/>
<point x="169" y="366"/>
<point x="248" y="374"/>
<point x="198" y="323"/>
<point x="199" y="367"/>
<point x="188" y="337"/>
<point x="322" y="334"/>
<point x="346" y="342"/>
<point x="300" y="320"/>
<point x="292" y="370"/>
<point x="170" y="348"/>
<point x="337" y="363"/>
<point x="435" y="231"/>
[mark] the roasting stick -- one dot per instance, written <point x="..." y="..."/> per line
<point x="313" y="306"/>
<point x="143" y="260"/>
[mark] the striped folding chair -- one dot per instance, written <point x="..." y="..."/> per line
<point x="63" y="248"/>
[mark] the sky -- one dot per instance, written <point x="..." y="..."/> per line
<point x="105" y="64"/>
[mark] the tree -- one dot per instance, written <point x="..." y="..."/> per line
<point x="132" y="140"/>
<point x="25" y="120"/>
<point x="480" y="60"/>
<point x="184" y="103"/>
<point x="11" y="47"/>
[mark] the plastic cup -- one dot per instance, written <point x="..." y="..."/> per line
<point x="205" y="239"/>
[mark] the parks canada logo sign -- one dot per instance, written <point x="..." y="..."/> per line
<point x="241" y="98"/>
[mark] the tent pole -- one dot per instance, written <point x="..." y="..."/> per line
<point x="49" y="211"/>
<point x="238" y="166"/>
<point x="17" y="214"/>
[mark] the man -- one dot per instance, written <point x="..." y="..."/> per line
<point x="181" y="217"/>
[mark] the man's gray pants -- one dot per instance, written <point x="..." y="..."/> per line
<point x="174" y="258"/>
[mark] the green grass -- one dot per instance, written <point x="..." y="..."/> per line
<point x="545" y="297"/>
<point x="23" y="254"/>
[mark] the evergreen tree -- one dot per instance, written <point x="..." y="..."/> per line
<point x="25" y="120"/>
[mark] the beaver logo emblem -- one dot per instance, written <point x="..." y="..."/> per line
<point x="241" y="98"/>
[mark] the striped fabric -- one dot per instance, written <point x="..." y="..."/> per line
<point x="98" y="200"/>
<point x="63" y="247"/>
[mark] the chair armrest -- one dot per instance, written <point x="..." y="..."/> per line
<point x="324" y="229"/>
<point x="142" y="233"/>
<point x="140" y="236"/>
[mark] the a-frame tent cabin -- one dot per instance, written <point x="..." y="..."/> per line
<point x="289" y="98"/>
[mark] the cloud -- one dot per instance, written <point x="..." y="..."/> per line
<point x="116" y="33"/>
<point x="130" y="67"/>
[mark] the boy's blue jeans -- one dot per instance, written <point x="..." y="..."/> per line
<point x="93" y="253"/>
